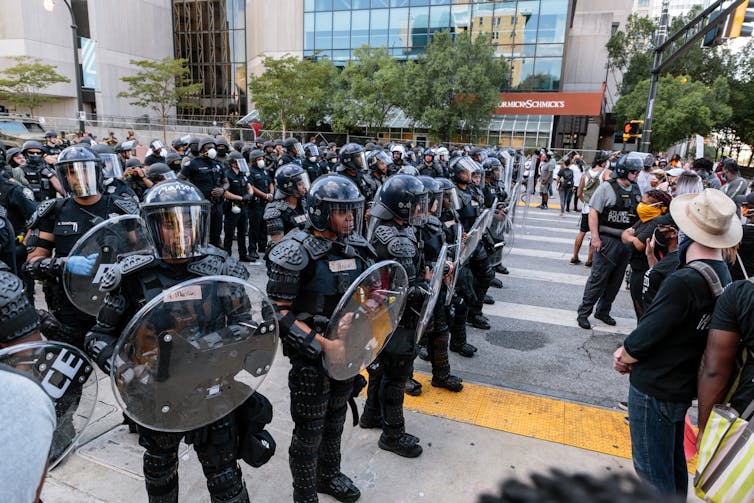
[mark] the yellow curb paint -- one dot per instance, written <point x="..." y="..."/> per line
<point x="550" y="205"/>
<point x="572" y="424"/>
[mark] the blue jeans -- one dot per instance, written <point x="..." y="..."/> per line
<point x="657" y="428"/>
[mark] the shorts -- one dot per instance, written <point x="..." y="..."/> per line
<point x="584" y="222"/>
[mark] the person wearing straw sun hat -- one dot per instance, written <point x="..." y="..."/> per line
<point x="662" y="355"/>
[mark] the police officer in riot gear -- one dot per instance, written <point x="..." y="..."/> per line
<point x="40" y="176"/>
<point x="207" y="174"/>
<point x="429" y="167"/>
<point x="263" y="189"/>
<point x="112" y="172"/>
<point x="352" y="163"/>
<point x="306" y="290"/>
<point x="612" y="210"/>
<point x="293" y="153"/>
<point x="223" y="149"/>
<point x="51" y="146"/>
<point x="398" y="152"/>
<point x="135" y="176"/>
<point x="443" y="158"/>
<point x="311" y="162"/>
<point x="156" y="153"/>
<point x="18" y="206"/>
<point x="400" y="204"/>
<point x="287" y="211"/>
<point x="177" y="217"/>
<point x="378" y="163"/>
<point x="270" y="159"/>
<point x="237" y="197"/>
<point x="60" y="224"/>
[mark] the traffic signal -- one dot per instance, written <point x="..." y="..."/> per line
<point x="632" y="129"/>
<point x="735" y="25"/>
<point x="715" y="35"/>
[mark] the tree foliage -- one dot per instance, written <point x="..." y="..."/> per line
<point x="368" y="88"/>
<point x="682" y="107"/>
<point x="455" y="86"/>
<point x="22" y="84"/>
<point x="160" y="86"/>
<point x="294" y="93"/>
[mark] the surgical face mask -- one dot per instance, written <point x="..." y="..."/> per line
<point x="212" y="153"/>
<point x="312" y="158"/>
<point x="261" y="164"/>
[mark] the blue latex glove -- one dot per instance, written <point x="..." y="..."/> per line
<point x="81" y="266"/>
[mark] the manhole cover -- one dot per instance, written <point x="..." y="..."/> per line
<point x="520" y="340"/>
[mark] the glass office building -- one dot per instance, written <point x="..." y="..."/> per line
<point x="530" y="34"/>
<point x="211" y="35"/>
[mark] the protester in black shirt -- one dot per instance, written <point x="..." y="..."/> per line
<point x="663" y="353"/>
<point x="662" y="257"/>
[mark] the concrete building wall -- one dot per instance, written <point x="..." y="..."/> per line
<point x="136" y="29"/>
<point x="273" y="28"/>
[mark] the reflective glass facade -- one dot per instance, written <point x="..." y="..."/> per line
<point x="211" y="35"/>
<point x="530" y="34"/>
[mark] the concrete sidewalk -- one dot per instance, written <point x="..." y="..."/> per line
<point x="459" y="462"/>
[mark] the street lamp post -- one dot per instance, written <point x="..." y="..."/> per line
<point x="49" y="6"/>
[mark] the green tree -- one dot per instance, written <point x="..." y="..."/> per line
<point x="22" y="84"/>
<point x="160" y="86"/>
<point x="455" y="86"/>
<point x="293" y="93"/>
<point x="368" y="88"/>
<point x="682" y="107"/>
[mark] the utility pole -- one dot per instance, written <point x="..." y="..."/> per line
<point x="662" y="35"/>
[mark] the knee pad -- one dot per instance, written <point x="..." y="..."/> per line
<point x="225" y="484"/>
<point x="309" y="389"/>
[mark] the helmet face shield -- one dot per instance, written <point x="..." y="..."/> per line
<point x="346" y="218"/>
<point x="301" y="184"/>
<point x="419" y="210"/>
<point x="111" y="167"/>
<point x="299" y="149"/>
<point x="450" y="200"/>
<point x="243" y="167"/>
<point x="359" y="160"/>
<point x="79" y="179"/>
<point x="179" y="231"/>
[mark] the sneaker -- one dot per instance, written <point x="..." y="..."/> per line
<point x="341" y="488"/>
<point x="588" y="263"/>
<point x="623" y="405"/>
<point x="583" y="323"/>
<point x="412" y="387"/>
<point x="606" y="319"/>
<point x="575" y="261"/>
<point x="450" y="383"/>
<point x="405" y="445"/>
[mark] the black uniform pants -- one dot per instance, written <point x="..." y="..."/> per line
<point x="636" y="285"/>
<point x="608" y="270"/>
<point x="215" y="223"/>
<point x="217" y="450"/>
<point x="257" y="228"/>
<point x="235" y="230"/>
<point x="318" y="408"/>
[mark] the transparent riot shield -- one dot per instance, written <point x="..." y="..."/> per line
<point x="364" y="319"/>
<point x="456" y="265"/>
<point x="102" y="246"/>
<point x="194" y="353"/>
<point x="67" y="376"/>
<point x="474" y="236"/>
<point x="435" y="285"/>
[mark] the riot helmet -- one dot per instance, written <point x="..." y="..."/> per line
<point x="450" y="199"/>
<point x="291" y="180"/>
<point x="293" y="147"/>
<point x="311" y="152"/>
<point x="256" y="158"/>
<point x="50" y="134"/>
<point x="207" y="148"/>
<point x="14" y="162"/>
<point x="408" y="170"/>
<point x="463" y="168"/>
<point x="80" y="171"/>
<point x="398" y="153"/>
<point x="434" y="194"/>
<point x="124" y="148"/>
<point x="237" y="159"/>
<point x="173" y="160"/>
<point x="33" y="151"/>
<point x="403" y="197"/>
<point x="111" y="167"/>
<point x="268" y="146"/>
<point x="627" y="164"/>
<point x="193" y="145"/>
<point x="443" y="154"/>
<point x="430" y="152"/>
<point x="493" y="168"/>
<point x="222" y="147"/>
<point x="178" y="143"/>
<point x="377" y="160"/>
<point x="160" y="172"/>
<point x="177" y="217"/>
<point x="601" y="157"/>
<point x="352" y="157"/>
<point x="335" y="203"/>
<point x="238" y="145"/>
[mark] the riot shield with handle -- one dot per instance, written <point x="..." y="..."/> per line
<point x="475" y="234"/>
<point x="456" y="265"/>
<point x="194" y="353"/>
<point x="364" y="319"/>
<point x="435" y="285"/>
<point x="67" y="376"/>
<point x="101" y="246"/>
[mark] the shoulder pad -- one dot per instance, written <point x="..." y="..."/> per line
<point x="433" y="224"/>
<point x="43" y="209"/>
<point x="126" y="205"/>
<point x="385" y="233"/>
<point x="210" y="265"/>
<point x="132" y="263"/>
<point x="317" y="247"/>
<point x="289" y="254"/>
<point x="357" y="240"/>
<point x="273" y="210"/>
<point x="214" y="250"/>
<point x="402" y="247"/>
<point x="236" y="269"/>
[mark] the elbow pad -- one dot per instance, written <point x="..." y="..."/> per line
<point x="297" y="338"/>
<point x="46" y="268"/>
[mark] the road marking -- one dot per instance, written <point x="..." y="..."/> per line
<point x="544" y="239"/>
<point x="550" y="277"/>
<point x="528" y="252"/>
<point x="520" y="229"/>
<point x="553" y="316"/>
<point x="549" y="220"/>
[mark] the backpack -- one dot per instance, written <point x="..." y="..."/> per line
<point x="566" y="176"/>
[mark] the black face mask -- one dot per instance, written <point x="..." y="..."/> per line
<point x="661" y="244"/>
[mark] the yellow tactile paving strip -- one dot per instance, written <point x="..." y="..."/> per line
<point x="576" y="425"/>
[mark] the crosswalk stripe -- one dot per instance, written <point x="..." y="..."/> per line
<point x="530" y="252"/>
<point x="543" y="239"/>
<point x="550" y="277"/>
<point x="553" y="316"/>
<point x="520" y="218"/>
<point x="573" y="231"/>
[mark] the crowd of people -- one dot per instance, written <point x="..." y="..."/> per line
<point x="320" y="215"/>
